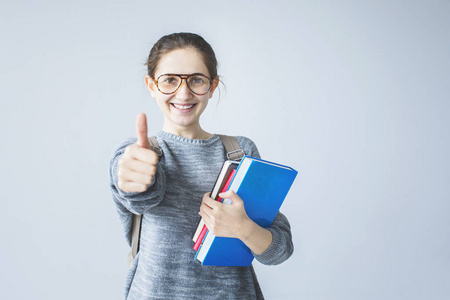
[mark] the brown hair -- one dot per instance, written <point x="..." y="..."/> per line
<point x="180" y="41"/>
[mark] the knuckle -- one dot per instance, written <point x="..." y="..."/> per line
<point x="130" y="150"/>
<point x="205" y="196"/>
<point x="127" y="150"/>
<point x="142" y="188"/>
<point x="120" y="173"/>
<point x="152" y="170"/>
<point x="123" y="187"/>
<point x="154" y="157"/>
<point x="148" y="179"/>
<point x="123" y="162"/>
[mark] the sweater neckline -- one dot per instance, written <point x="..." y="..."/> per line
<point x="173" y="137"/>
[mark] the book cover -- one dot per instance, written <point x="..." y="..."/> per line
<point x="263" y="186"/>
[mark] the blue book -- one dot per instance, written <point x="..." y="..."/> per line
<point x="262" y="186"/>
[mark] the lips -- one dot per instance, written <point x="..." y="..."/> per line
<point x="183" y="107"/>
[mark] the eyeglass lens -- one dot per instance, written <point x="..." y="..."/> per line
<point x="198" y="84"/>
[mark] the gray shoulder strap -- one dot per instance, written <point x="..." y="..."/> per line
<point x="154" y="145"/>
<point x="137" y="219"/>
<point x="135" y="234"/>
<point x="234" y="150"/>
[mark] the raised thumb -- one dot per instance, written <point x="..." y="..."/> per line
<point x="141" y="131"/>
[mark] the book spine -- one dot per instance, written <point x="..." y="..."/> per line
<point x="200" y="238"/>
<point x="198" y="230"/>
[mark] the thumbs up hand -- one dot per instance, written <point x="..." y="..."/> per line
<point x="137" y="166"/>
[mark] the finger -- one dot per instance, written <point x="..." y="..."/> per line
<point x="131" y="176"/>
<point x="227" y="194"/>
<point x="205" y="212"/>
<point x="141" y="131"/>
<point x="206" y="220"/>
<point x="140" y="167"/>
<point x="131" y="187"/>
<point x="210" y="202"/>
<point x="142" y="154"/>
<point x="230" y="194"/>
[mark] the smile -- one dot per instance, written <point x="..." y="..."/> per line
<point x="183" y="107"/>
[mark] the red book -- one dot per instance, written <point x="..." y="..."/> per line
<point x="200" y="237"/>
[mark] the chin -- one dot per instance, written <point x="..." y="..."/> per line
<point x="184" y="123"/>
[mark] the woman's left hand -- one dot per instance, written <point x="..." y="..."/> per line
<point x="231" y="220"/>
<point x="225" y="220"/>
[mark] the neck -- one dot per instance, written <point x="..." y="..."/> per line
<point x="192" y="132"/>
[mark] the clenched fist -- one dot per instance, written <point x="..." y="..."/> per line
<point x="137" y="166"/>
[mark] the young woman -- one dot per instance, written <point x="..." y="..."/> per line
<point x="171" y="191"/>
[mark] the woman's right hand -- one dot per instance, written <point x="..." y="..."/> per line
<point x="137" y="166"/>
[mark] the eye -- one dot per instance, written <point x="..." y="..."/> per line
<point x="169" y="80"/>
<point x="197" y="80"/>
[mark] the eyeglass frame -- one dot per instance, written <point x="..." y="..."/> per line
<point x="183" y="77"/>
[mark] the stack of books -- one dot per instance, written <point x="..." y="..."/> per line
<point x="262" y="185"/>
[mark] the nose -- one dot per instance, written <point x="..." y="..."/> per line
<point x="183" y="92"/>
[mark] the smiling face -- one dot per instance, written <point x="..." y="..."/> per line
<point x="182" y="109"/>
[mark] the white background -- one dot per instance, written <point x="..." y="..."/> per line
<point x="353" y="94"/>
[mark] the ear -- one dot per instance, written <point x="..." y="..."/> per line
<point x="215" y="84"/>
<point x="150" y="83"/>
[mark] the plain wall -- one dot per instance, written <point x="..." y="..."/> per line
<point x="353" y="94"/>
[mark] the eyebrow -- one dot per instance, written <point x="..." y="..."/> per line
<point x="184" y="74"/>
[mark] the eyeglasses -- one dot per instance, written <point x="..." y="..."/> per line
<point x="197" y="83"/>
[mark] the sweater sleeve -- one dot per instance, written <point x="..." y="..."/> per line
<point x="136" y="203"/>
<point x="281" y="247"/>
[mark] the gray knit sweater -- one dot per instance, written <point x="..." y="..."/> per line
<point x="165" y="267"/>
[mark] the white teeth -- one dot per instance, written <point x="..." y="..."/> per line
<point x="183" y="106"/>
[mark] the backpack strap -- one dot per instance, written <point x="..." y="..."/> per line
<point x="154" y="145"/>
<point x="135" y="234"/>
<point x="137" y="219"/>
<point x="234" y="150"/>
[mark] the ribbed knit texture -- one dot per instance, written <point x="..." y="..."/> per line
<point x="165" y="267"/>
